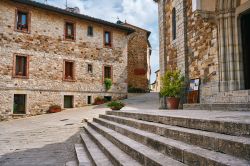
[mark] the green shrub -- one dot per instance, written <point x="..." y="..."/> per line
<point x="107" y="83"/>
<point x="115" y="105"/>
<point x="172" y="84"/>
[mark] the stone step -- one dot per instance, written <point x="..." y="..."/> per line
<point x="140" y="152"/>
<point x="82" y="156"/>
<point x="97" y="157"/>
<point x="217" y="126"/>
<point x="188" y="154"/>
<point x="71" y="163"/>
<point x="116" y="155"/>
<point x="219" y="107"/>
<point x="232" y="145"/>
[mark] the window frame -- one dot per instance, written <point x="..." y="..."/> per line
<point x="65" y="30"/>
<point x="103" y="72"/>
<point x="64" y="70"/>
<point x="28" y="20"/>
<point x="14" y="74"/>
<point x="92" y="34"/>
<point x="110" y="44"/>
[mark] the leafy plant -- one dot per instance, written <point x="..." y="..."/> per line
<point x="108" y="83"/>
<point x="99" y="100"/>
<point x="172" y="84"/>
<point x="115" y="105"/>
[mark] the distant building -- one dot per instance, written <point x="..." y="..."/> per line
<point x="139" y="52"/>
<point x="156" y="86"/>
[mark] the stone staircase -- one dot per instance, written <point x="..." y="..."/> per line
<point x="130" y="138"/>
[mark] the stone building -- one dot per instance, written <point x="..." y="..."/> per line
<point x="156" y="86"/>
<point x="208" y="40"/>
<point x="139" y="52"/>
<point x="50" y="56"/>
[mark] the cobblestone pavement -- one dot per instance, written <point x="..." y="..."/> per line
<point x="49" y="139"/>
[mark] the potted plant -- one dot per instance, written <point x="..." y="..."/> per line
<point x="115" y="105"/>
<point x="107" y="83"/>
<point x="99" y="101"/>
<point x="172" y="88"/>
<point x="54" y="109"/>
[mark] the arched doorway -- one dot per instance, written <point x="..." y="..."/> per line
<point x="245" y="35"/>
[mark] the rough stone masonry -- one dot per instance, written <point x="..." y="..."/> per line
<point x="47" y="50"/>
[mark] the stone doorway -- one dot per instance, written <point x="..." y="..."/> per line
<point x="19" y="105"/>
<point x="245" y="30"/>
<point x="68" y="101"/>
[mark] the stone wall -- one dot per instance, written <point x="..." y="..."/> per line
<point x="47" y="50"/>
<point x="202" y="52"/>
<point x="138" y="53"/>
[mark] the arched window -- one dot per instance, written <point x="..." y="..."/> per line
<point x="174" y="23"/>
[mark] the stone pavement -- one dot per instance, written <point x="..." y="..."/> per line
<point x="49" y="139"/>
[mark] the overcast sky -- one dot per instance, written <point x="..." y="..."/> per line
<point x="142" y="13"/>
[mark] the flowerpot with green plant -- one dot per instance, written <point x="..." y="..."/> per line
<point x="172" y="88"/>
<point x="115" y="105"/>
<point x="54" y="109"/>
<point x="99" y="100"/>
<point x="107" y="83"/>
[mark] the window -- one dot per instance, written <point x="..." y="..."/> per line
<point x="68" y="101"/>
<point x="19" y="105"/>
<point x="90" y="68"/>
<point x="22" y="21"/>
<point x="68" y="70"/>
<point x="21" y="66"/>
<point x="174" y="23"/>
<point x="90" y="31"/>
<point x="108" y="98"/>
<point x="107" y="38"/>
<point x="89" y="100"/>
<point x="107" y="72"/>
<point x="69" y="31"/>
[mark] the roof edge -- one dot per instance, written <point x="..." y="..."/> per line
<point x="76" y="15"/>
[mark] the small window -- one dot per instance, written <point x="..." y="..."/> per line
<point x="89" y="100"/>
<point x="174" y="23"/>
<point x="90" y="68"/>
<point x="69" y="31"/>
<point x="19" y="105"/>
<point x="108" y="98"/>
<point x="22" y="21"/>
<point x="107" y="38"/>
<point x="90" y="31"/>
<point x="68" y="70"/>
<point x="107" y="72"/>
<point x="21" y="66"/>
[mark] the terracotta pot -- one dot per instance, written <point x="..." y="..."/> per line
<point x="55" y="110"/>
<point x="116" y="108"/>
<point x="173" y="103"/>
